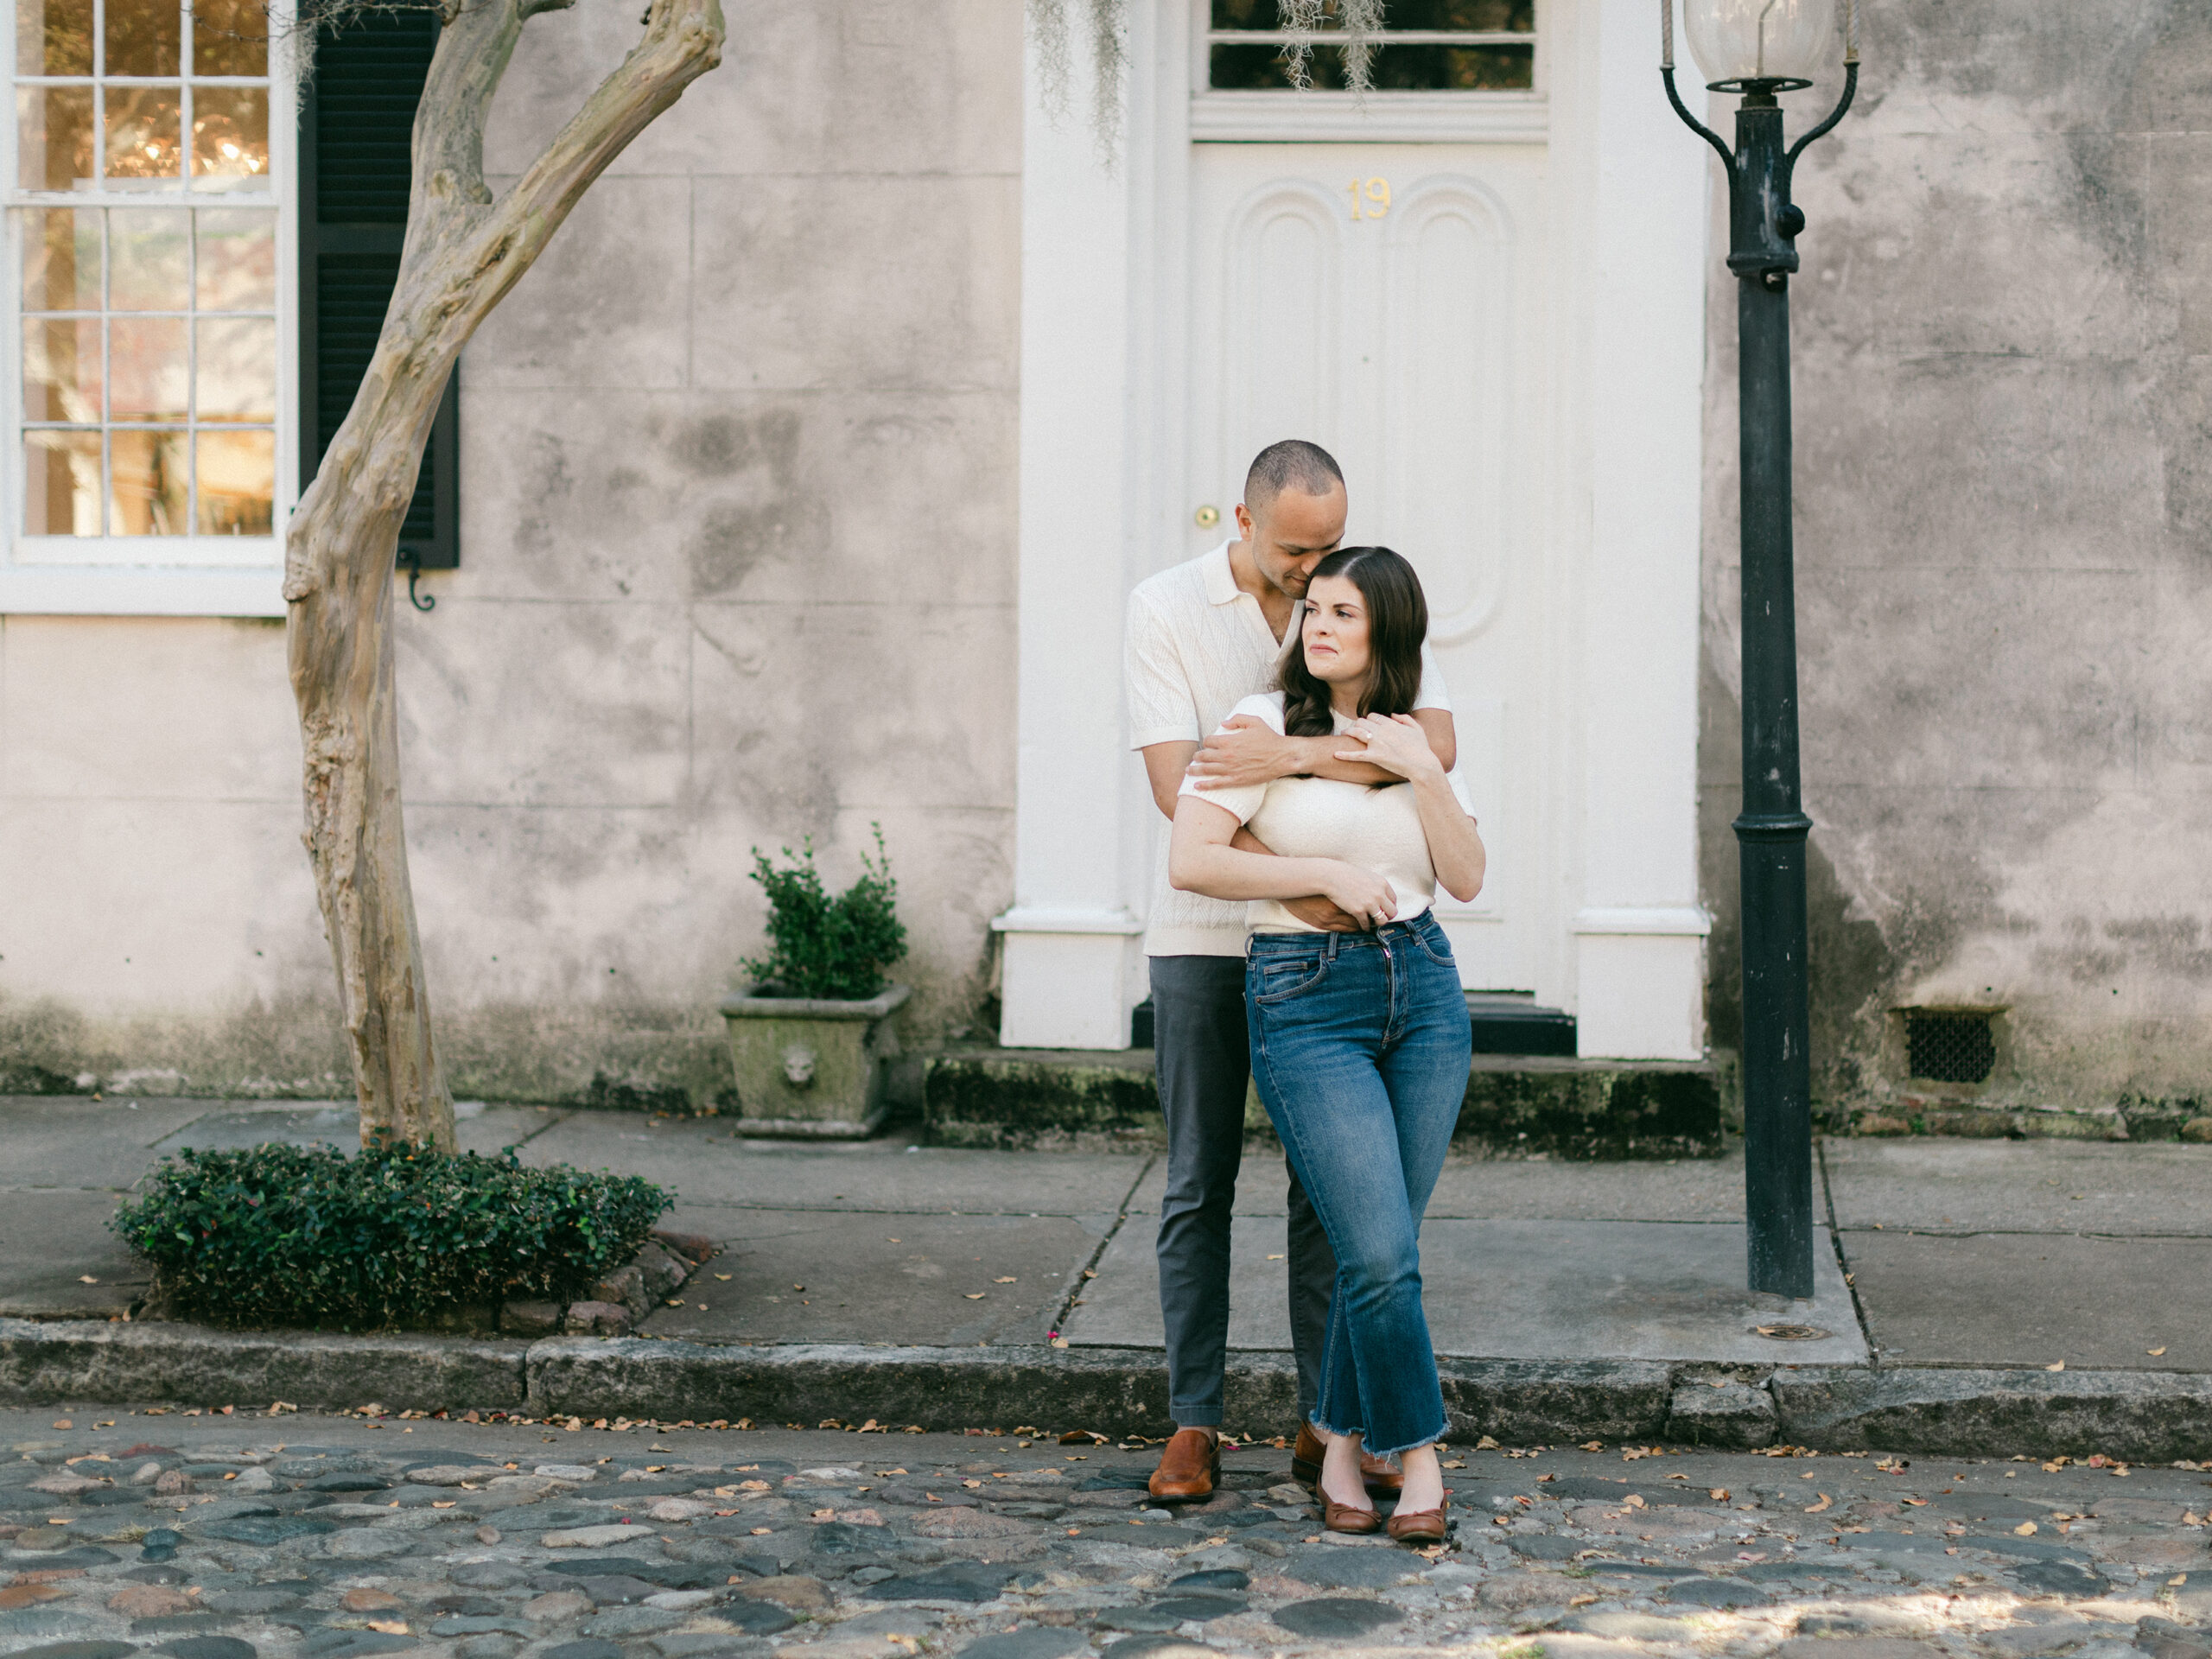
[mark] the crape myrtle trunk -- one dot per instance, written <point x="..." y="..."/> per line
<point x="463" y="251"/>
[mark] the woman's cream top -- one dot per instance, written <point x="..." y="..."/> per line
<point x="1378" y="829"/>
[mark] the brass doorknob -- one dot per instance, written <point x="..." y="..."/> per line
<point x="1206" y="518"/>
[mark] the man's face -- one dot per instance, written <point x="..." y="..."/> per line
<point x="1292" y="533"/>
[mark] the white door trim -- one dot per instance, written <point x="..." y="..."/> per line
<point x="1105" y="394"/>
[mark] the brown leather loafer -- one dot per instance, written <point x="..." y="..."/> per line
<point x="1421" y="1526"/>
<point x="1343" y="1517"/>
<point x="1189" y="1469"/>
<point x="1381" y="1479"/>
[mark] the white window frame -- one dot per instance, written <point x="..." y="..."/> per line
<point x="1287" y="117"/>
<point x="149" y="576"/>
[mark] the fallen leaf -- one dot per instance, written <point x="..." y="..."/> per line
<point x="2059" y="1367"/>
<point x="1485" y="1444"/>
<point x="1633" y="1501"/>
<point x="1061" y="1342"/>
<point x="1825" y="1502"/>
<point x="2154" y="1352"/>
<point x="1007" y="1280"/>
<point x="1593" y="1445"/>
<point x="676" y="1301"/>
<point x="1277" y="1257"/>
<point x="1091" y="1273"/>
<point x="2025" y="1529"/>
<point x="722" y="1276"/>
<point x="86" y="1279"/>
<point x="2178" y="1578"/>
<point x="1719" y="1494"/>
<point x="977" y="1295"/>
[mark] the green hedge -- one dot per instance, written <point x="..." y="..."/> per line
<point x="278" y="1235"/>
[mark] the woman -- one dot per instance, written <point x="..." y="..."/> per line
<point x="1359" y="1039"/>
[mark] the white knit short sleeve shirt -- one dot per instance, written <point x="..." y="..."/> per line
<point x="1378" y="829"/>
<point x="1195" y="646"/>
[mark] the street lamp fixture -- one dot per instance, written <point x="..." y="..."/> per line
<point x="1761" y="49"/>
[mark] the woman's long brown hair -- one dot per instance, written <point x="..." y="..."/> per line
<point x="1397" y="622"/>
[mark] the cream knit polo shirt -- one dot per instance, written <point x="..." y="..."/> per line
<point x="1195" y="646"/>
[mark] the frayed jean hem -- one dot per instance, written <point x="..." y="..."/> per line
<point x="1314" y="1417"/>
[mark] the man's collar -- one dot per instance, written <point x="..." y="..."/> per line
<point x="1221" y="581"/>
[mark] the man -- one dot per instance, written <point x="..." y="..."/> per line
<point x="1201" y="637"/>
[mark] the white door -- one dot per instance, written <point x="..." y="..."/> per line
<point x="1384" y="301"/>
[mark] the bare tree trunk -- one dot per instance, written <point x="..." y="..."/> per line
<point x="463" y="252"/>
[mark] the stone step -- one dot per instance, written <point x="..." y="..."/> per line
<point x="1515" y="1104"/>
<point x="1503" y="1022"/>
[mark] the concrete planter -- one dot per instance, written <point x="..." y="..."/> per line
<point x="811" y="1068"/>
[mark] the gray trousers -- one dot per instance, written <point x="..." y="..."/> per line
<point x="1204" y="1062"/>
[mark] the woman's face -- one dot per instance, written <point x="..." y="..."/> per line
<point x="1335" y="632"/>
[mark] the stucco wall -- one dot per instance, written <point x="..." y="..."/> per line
<point x="2004" y="354"/>
<point x="738" y="530"/>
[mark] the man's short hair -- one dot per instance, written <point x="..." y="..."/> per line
<point x="1310" y="467"/>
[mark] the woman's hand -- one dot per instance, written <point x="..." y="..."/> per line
<point x="1361" y="893"/>
<point x="1395" y="742"/>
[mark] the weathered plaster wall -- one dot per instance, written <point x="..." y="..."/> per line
<point x="2004" y="393"/>
<point x="738" y="567"/>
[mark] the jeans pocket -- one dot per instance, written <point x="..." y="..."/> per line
<point x="1277" y="979"/>
<point x="1435" y="946"/>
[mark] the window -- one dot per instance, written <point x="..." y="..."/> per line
<point x="145" y="229"/>
<point x="1425" y="46"/>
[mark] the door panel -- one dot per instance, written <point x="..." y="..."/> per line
<point x="1380" y="300"/>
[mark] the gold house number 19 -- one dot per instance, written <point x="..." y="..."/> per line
<point x="1372" y="195"/>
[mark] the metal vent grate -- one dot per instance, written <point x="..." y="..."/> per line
<point x="1946" y="1047"/>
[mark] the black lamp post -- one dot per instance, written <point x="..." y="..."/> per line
<point x="1759" y="49"/>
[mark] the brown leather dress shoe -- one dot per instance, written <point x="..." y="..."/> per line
<point x="1381" y="1479"/>
<point x="1421" y="1526"/>
<point x="1189" y="1469"/>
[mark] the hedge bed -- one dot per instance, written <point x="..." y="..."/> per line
<point x="390" y="1236"/>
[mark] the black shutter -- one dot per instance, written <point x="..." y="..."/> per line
<point x="357" y="119"/>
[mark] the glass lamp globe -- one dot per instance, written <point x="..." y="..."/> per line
<point x="1738" y="40"/>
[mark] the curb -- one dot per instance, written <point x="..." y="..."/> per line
<point x="2131" y="1416"/>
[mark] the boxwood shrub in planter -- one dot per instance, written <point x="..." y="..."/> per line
<point x="393" y="1236"/>
<point x="809" y="1038"/>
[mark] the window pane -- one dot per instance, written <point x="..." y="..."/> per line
<point x="53" y="38"/>
<point x="146" y="367"/>
<point x="1509" y="16"/>
<point x="237" y="483"/>
<point x="62" y="370"/>
<point x="147" y="491"/>
<point x="148" y="250"/>
<point x="1393" y="68"/>
<point x="230" y="37"/>
<point x="61" y="259"/>
<point x="230" y="135"/>
<point x="144" y="128"/>
<point x="144" y="37"/>
<point x="238" y="369"/>
<point x="53" y="128"/>
<point x="61" y="483"/>
<point x="238" y="260"/>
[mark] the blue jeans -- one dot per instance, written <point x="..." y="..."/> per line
<point x="1360" y="1047"/>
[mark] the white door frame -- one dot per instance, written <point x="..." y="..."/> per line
<point x="1104" y="346"/>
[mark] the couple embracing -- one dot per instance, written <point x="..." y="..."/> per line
<point x="1296" y="732"/>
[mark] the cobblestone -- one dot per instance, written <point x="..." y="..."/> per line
<point x="346" y="1538"/>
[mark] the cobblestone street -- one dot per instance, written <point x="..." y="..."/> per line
<point x="228" y="1537"/>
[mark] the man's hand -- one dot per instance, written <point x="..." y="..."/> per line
<point x="1318" y="911"/>
<point x="1246" y="751"/>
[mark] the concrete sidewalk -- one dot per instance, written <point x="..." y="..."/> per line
<point x="1994" y="1254"/>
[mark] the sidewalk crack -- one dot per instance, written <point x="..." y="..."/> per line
<point x="1113" y="1231"/>
<point x="1842" y="1261"/>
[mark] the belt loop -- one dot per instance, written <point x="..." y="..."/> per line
<point x="1332" y="953"/>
